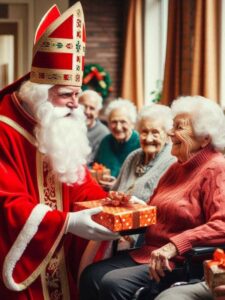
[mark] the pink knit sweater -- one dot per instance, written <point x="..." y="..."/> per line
<point x="190" y="200"/>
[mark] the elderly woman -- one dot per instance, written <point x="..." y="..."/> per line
<point x="115" y="147"/>
<point x="92" y="104"/>
<point x="142" y="168"/>
<point x="190" y="200"/>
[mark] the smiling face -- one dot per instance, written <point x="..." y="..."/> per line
<point x="152" y="138"/>
<point x="120" y="125"/>
<point x="91" y="110"/>
<point x="185" y="143"/>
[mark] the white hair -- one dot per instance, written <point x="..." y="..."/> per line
<point x="156" y="112"/>
<point x="207" y="118"/>
<point x="33" y="94"/>
<point x="94" y="95"/>
<point x="127" y="105"/>
<point x="61" y="133"/>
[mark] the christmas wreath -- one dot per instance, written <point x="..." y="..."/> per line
<point x="95" y="76"/>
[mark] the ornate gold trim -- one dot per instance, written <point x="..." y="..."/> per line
<point x="74" y="46"/>
<point x="53" y="76"/>
<point x="62" y="46"/>
<point x="63" y="273"/>
<point x="56" y="203"/>
<point x="50" y="71"/>
<point x="58" y="193"/>
<point x="75" y="10"/>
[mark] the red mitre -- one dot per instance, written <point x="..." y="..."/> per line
<point x="58" y="54"/>
<point x="59" y="46"/>
<point x="51" y="15"/>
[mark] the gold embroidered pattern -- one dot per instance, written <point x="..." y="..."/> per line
<point x="49" y="183"/>
<point x="52" y="278"/>
<point x="54" y="281"/>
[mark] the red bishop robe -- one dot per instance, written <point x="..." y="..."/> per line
<point x="37" y="259"/>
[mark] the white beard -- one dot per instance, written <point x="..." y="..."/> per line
<point x="63" y="139"/>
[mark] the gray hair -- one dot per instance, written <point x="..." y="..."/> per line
<point x="95" y="95"/>
<point x="156" y="112"/>
<point x="207" y="118"/>
<point x="127" y="105"/>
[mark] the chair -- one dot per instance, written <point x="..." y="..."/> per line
<point x="192" y="258"/>
<point x="192" y="266"/>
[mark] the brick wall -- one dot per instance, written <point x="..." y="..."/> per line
<point x="105" y="33"/>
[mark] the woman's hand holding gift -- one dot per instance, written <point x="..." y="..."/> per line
<point x="107" y="181"/>
<point x="122" y="199"/>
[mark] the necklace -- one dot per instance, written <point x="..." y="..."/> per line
<point x="142" y="168"/>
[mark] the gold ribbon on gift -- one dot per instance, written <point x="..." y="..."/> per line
<point x="136" y="219"/>
<point x="118" y="218"/>
<point x="117" y="199"/>
<point x="124" y="223"/>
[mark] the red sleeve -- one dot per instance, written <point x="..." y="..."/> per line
<point x="213" y="204"/>
<point x="29" y="231"/>
<point x="88" y="190"/>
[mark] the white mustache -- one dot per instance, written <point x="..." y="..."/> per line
<point x="47" y="112"/>
<point x="60" y="112"/>
<point x="65" y="113"/>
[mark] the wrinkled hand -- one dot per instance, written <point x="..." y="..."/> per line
<point x="219" y="292"/>
<point x="114" y="195"/>
<point x="159" y="261"/>
<point x="125" y="242"/>
<point x="80" y="223"/>
<point x="107" y="181"/>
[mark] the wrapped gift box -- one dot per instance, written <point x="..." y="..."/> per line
<point x="98" y="171"/>
<point x="121" y="218"/>
<point x="214" y="270"/>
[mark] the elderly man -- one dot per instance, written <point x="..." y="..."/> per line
<point x="92" y="103"/>
<point x="43" y="150"/>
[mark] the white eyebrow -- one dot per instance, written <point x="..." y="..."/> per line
<point x="65" y="90"/>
